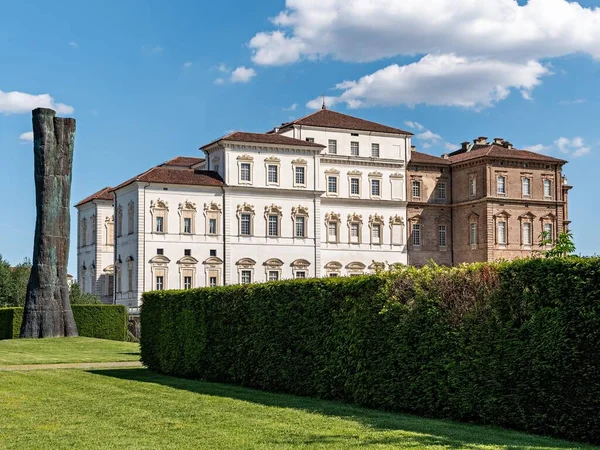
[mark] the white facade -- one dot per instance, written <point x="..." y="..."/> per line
<point x="274" y="216"/>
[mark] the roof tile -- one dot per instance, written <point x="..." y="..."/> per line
<point x="102" y="194"/>
<point x="263" y="138"/>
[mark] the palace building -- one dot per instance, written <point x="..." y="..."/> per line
<point x="325" y="195"/>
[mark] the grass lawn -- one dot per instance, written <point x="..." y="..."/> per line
<point x="65" y="350"/>
<point x="135" y="408"/>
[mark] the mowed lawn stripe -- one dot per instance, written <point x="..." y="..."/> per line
<point x="135" y="409"/>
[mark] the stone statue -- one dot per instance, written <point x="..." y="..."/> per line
<point x="47" y="308"/>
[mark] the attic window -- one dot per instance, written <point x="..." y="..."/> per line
<point x="354" y="134"/>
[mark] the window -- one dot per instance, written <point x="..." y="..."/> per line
<point x="83" y="232"/>
<point x="212" y="226"/>
<point x="187" y="282"/>
<point x="300" y="172"/>
<point x="473" y="233"/>
<point x="245" y="229"/>
<point x="130" y="278"/>
<point x="332" y="185"/>
<point x="332" y="231"/>
<point x="159" y="224"/>
<point x="300" y="227"/>
<point x="187" y="225"/>
<point x="548" y="231"/>
<point x="246" y="276"/>
<point x="273" y="229"/>
<point x="160" y="251"/>
<point x="354" y="149"/>
<point x="160" y="283"/>
<point x="501" y="185"/>
<point x="527" y="233"/>
<point x="130" y="213"/>
<point x="119" y="221"/>
<point x="375" y="150"/>
<point x="442" y="234"/>
<point x="273" y="275"/>
<point x="375" y="188"/>
<point x="300" y="274"/>
<point x="245" y="174"/>
<point x="212" y="281"/>
<point x="416" y="234"/>
<point x="309" y="139"/>
<point x="472" y="187"/>
<point x="376" y="233"/>
<point x="526" y="186"/>
<point x="441" y="191"/>
<point x="416" y="189"/>
<point x="354" y="186"/>
<point x="332" y="146"/>
<point x="272" y="174"/>
<point x="187" y="252"/>
<point x="502" y="233"/>
<point x="213" y="252"/>
<point x="354" y="232"/>
<point x="547" y="188"/>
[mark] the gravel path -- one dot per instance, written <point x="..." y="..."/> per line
<point x="102" y="365"/>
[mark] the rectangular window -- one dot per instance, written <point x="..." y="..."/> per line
<point x="272" y="174"/>
<point x="548" y="231"/>
<point x="375" y="150"/>
<point x="442" y="234"/>
<point x="159" y="225"/>
<point x="187" y="225"/>
<point x="547" y="188"/>
<point x="375" y="188"/>
<point x="441" y="191"/>
<point x="212" y="226"/>
<point x="354" y="149"/>
<point x="160" y="251"/>
<point x="245" y="172"/>
<point x="300" y="274"/>
<point x="416" y="189"/>
<point x="332" y="185"/>
<point x="213" y="252"/>
<point x="354" y="186"/>
<point x="310" y="139"/>
<point x="473" y="233"/>
<point x="416" y="234"/>
<point x="187" y="252"/>
<point x="527" y="233"/>
<point x="333" y="275"/>
<point x="332" y="231"/>
<point x="354" y="232"/>
<point x="273" y="225"/>
<point x="300" y="175"/>
<point x="212" y="281"/>
<point x="273" y="275"/>
<point x="187" y="282"/>
<point x="472" y="187"/>
<point x="332" y="147"/>
<point x="501" y="185"/>
<point x="376" y="233"/>
<point x="502" y="233"/>
<point x="300" y="226"/>
<point x="245" y="224"/>
<point x="160" y="283"/>
<point x="246" y="276"/>
<point x="130" y="279"/>
<point x="526" y="186"/>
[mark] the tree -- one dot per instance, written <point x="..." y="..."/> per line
<point x="562" y="247"/>
<point x="78" y="298"/>
<point x="13" y="283"/>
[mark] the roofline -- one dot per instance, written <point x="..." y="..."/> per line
<point x="224" y="139"/>
<point x="487" y="155"/>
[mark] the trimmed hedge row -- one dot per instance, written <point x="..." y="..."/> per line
<point x="97" y="321"/>
<point x="513" y="344"/>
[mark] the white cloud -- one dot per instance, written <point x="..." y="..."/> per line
<point x="414" y="125"/>
<point x="26" y="137"/>
<point x="187" y="64"/>
<point x="292" y="107"/>
<point x="538" y="148"/>
<point x="223" y="68"/>
<point x="220" y="81"/>
<point x="370" y="30"/>
<point x="74" y="44"/>
<point x="242" y="74"/>
<point x="575" y="147"/>
<point x="156" y="50"/>
<point x="577" y="101"/>
<point x="317" y="103"/>
<point x="20" y="102"/>
<point x="443" y="80"/>
<point x="428" y="138"/>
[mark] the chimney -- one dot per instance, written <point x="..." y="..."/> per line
<point x="464" y="145"/>
<point x="413" y="148"/>
<point x="445" y="156"/>
<point x="498" y="141"/>
<point x="276" y="130"/>
<point x="507" y="145"/>
<point x="481" y="140"/>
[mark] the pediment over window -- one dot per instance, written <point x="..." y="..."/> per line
<point x="397" y="176"/>
<point x="527" y="215"/>
<point x="354" y="217"/>
<point x="376" y="266"/>
<point x="273" y="209"/>
<point x="160" y="259"/>
<point x="396" y="220"/>
<point x="415" y="218"/>
<point x="502" y="214"/>
<point x="187" y="260"/>
<point x="376" y="174"/>
<point x="329" y="217"/>
<point x="212" y="207"/>
<point x="299" y="161"/>
<point x="245" y="157"/>
<point x="245" y="208"/>
<point x="274" y="159"/>
<point x="333" y="265"/>
<point x="159" y="204"/>
<point x="246" y="262"/>
<point x="110" y="219"/>
<point x="356" y="265"/>
<point x="376" y="218"/>
<point x="213" y="261"/>
<point x="300" y="263"/>
<point x="473" y="217"/>
<point x="273" y="262"/>
<point x="356" y="173"/>
<point x="109" y="270"/>
<point x="549" y="216"/>
<point x="332" y="171"/>
<point x="187" y="205"/>
<point x="299" y="211"/>
<point x="443" y="219"/>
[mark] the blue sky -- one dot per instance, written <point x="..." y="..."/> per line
<point x="150" y="80"/>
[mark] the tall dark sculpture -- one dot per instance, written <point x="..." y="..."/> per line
<point x="47" y="308"/>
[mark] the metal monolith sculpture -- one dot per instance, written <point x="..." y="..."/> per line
<point x="47" y="308"/>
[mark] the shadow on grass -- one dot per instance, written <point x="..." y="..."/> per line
<point x="428" y="432"/>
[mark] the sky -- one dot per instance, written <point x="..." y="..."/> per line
<point x="151" y="80"/>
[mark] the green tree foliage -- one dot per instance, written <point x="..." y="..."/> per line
<point x="76" y="297"/>
<point x="562" y="247"/>
<point x="13" y="283"/>
<point x="512" y="344"/>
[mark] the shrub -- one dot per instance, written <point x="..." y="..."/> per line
<point x="97" y="321"/>
<point x="512" y="344"/>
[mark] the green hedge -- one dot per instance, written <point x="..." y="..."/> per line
<point x="512" y="344"/>
<point x="97" y="321"/>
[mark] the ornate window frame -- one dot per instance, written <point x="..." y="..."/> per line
<point x="130" y="266"/>
<point x="299" y="163"/>
<point x="83" y="239"/>
<point x="159" y="208"/>
<point x="473" y="219"/>
<point x="472" y="184"/>
<point x="245" y="264"/>
<point x="109" y="278"/>
<point x="376" y="220"/>
<point x="529" y="177"/>
<point x="333" y="269"/>
<point x="300" y="265"/>
<point x="332" y="173"/>
<point x="397" y="221"/>
<point x="277" y="211"/>
<point x="504" y="175"/>
<point x="273" y="265"/>
<point x="187" y="267"/>
<point x="528" y="218"/>
<point x="376" y="176"/>
<point x="332" y="218"/>
<point x="94" y="226"/>
<point x="159" y="267"/>
<point x="245" y="208"/>
<point x="444" y="221"/>
<point x="501" y="217"/>
<point x="119" y="220"/>
<point x="549" y="219"/>
<point x="418" y="179"/>
<point x="416" y="220"/>
<point x="354" y="174"/>
<point x="109" y="230"/>
<point x="130" y="217"/>
<point x="245" y="159"/>
<point x="355" y="268"/>
<point x="212" y="211"/>
<point x="355" y="219"/>
<point x="187" y="210"/>
<point x="213" y="267"/>
<point x="549" y="179"/>
<point x="398" y="178"/>
<point x="276" y="162"/>
<point x="300" y="211"/>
